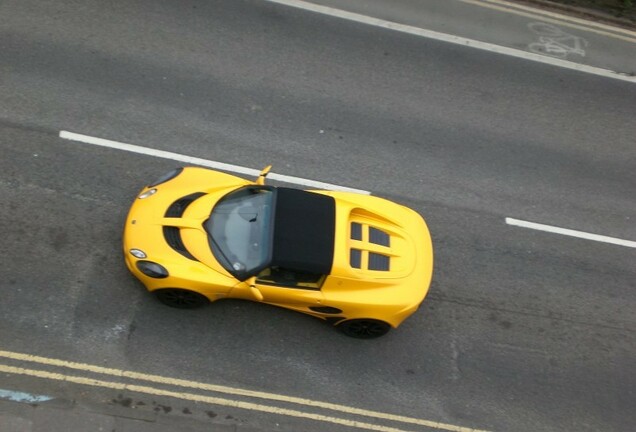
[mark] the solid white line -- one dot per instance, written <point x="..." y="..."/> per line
<point x="403" y="28"/>
<point x="204" y="162"/>
<point x="571" y="233"/>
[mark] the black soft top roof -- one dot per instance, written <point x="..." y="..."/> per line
<point x="304" y="231"/>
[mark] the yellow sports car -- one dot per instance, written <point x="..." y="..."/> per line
<point x="359" y="262"/>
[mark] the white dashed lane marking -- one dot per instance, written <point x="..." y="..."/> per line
<point x="86" y="139"/>
<point x="570" y="232"/>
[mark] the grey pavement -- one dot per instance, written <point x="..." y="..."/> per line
<point x="67" y="416"/>
<point x="512" y="26"/>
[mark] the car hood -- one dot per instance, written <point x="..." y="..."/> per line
<point x="169" y="222"/>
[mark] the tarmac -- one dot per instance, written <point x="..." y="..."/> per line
<point x="628" y="21"/>
<point x="60" y="415"/>
<point x="32" y="415"/>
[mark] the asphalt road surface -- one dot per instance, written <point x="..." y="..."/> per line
<point x="523" y="330"/>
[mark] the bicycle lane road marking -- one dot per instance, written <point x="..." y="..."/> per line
<point x="457" y="40"/>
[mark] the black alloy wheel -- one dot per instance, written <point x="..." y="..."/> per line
<point x="364" y="328"/>
<point x="180" y="298"/>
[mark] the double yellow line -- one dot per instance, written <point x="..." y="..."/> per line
<point x="235" y="403"/>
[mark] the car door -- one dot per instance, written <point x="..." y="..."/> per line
<point x="284" y="287"/>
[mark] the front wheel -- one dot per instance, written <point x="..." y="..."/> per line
<point x="364" y="328"/>
<point x="181" y="298"/>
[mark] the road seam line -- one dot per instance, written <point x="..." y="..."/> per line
<point x="101" y="142"/>
<point x="457" y="40"/>
<point x="570" y="232"/>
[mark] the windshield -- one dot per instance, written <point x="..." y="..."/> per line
<point x="240" y="230"/>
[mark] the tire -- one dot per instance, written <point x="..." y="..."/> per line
<point x="181" y="298"/>
<point x="365" y="328"/>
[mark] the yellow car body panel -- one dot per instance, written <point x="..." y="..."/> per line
<point x="382" y="271"/>
<point x="144" y="231"/>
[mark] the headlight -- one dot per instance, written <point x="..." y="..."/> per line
<point x="167" y="176"/>
<point x="152" y="269"/>
<point x="138" y="253"/>
<point x="148" y="193"/>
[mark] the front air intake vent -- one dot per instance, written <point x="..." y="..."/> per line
<point x="179" y="207"/>
<point x="173" y="238"/>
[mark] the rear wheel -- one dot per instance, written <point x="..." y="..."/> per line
<point x="181" y="298"/>
<point x="364" y="328"/>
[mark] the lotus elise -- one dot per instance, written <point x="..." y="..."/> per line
<point x="359" y="262"/>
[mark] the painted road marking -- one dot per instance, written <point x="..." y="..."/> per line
<point x="119" y="373"/>
<point x="86" y="139"/>
<point x="571" y="233"/>
<point x="17" y="396"/>
<point x="555" y="18"/>
<point x="194" y="397"/>
<point x="555" y="42"/>
<point x="430" y="34"/>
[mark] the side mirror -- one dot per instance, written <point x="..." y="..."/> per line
<point x="261" y="177"/>
<point x="256" y="293"/>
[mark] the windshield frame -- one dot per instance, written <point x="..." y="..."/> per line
<point x="221" y="253"/>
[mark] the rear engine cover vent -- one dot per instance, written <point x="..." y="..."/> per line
<point x="369" y="243"/>
<point x="356" y="231"/>
<point x="379" y="237"/>
<point x="355" y="258"/>
<point x="378" y="262"/>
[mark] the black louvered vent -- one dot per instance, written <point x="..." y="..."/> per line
<point x="379" y="237"/>
<point x="355" y="258"/>
<point x="378" y="262"/>
<point x="178" y="207"/>
<point x="356" y="231"/>
<point x="173" y="238"/>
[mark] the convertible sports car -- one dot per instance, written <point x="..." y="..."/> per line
<point x="359" y="262"/>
